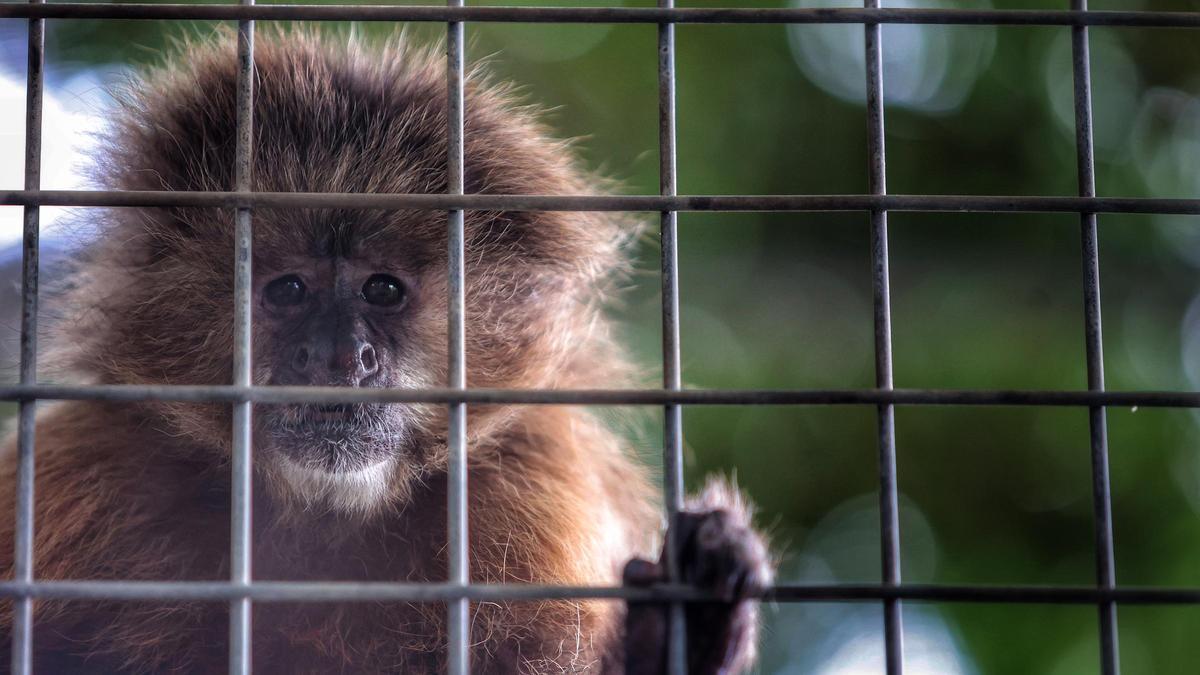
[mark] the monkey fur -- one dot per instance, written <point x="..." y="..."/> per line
<point x="141" y="491"/>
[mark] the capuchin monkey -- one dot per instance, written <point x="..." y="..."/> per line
<point x="354" y="298"/>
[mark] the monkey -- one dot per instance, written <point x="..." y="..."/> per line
<point x="355" y="298"/>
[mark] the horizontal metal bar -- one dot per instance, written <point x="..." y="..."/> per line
<point x="1056" y="595"/>
<point x="285" y="591"/>
<point x="348" y="591"/>
<point x="648" y="203"/>
<point x="651" y="15"/>
<point x="601" y="397"/>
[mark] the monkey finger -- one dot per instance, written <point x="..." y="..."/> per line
<point x="640" y="572"/>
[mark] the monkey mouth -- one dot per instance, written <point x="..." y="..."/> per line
<point x="335" y="414"/>
<point x="338" y="417"/>
<point x="335" y="437"/>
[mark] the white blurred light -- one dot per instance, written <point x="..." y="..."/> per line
<point x="1185" y="473"/>
<point x="1166" y="142"/>
<point x="1189" y="343"/>
<point x="1116" y="87"/>
<point x="929" y="647"/>
<point x="847" y="639"/>
<point x="1165" y="145"/>
<point x="547" y="42"/>
<point x="847" y="540"/>
<point x="930" y="69"/>
<point x="70" y="120"/>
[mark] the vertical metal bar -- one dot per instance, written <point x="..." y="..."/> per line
<point x="458" y="626"/>
<point x="888" y="493"/>
<point x="672" y="381"/>
<point x="22" y="637"/>
<point x="241" y="553"/>
<point x="1094" y="340"/>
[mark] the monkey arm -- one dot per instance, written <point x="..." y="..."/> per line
<point x="106" y="490"/>
<point x="720" y="552"/>
<point x="560" y="503"/>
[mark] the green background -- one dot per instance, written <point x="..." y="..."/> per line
<point x="982" y="301"/>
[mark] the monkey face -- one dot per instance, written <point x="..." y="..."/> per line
<point x="342" y="297"/>
<point x="341" y="322"/>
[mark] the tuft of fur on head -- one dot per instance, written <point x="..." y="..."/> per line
<point x="154" y="291"/>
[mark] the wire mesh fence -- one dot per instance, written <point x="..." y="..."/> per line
<point x="241" y="590"/>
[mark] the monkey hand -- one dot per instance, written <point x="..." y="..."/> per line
<point x="720" y="553"/>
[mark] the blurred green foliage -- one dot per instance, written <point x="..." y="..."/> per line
<point x="979" y="301"/>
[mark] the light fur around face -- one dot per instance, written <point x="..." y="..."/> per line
<point x="353" y="491"/>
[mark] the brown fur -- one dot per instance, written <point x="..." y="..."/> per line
<point x="107" y="511"/>
<point x="141" y="491"/>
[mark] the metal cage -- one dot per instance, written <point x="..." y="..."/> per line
<point x="241" y="590"/>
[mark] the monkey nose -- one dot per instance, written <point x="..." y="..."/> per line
<point x="300" y="359"/>
<point x="354" y="363"/>
<point x="349" y="363"/>
<point x="368" y="363"/>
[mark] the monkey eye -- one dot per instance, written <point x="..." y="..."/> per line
<point x="286" y="291"/>
<point x="383" y="290"/>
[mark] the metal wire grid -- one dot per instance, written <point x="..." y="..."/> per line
<point x="889" y="500"/>
<point x="457" y="592"/>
